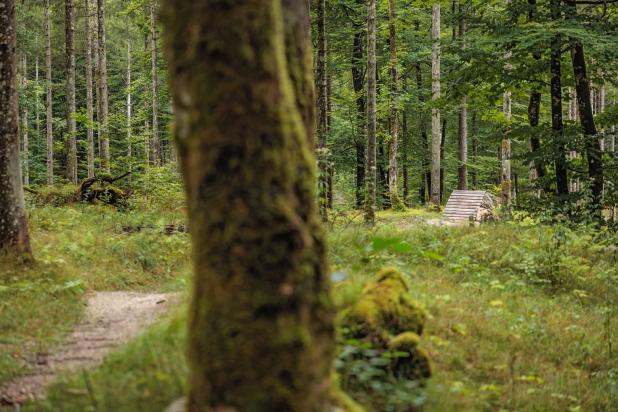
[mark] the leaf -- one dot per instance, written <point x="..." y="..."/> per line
<point x="432" y="255"/>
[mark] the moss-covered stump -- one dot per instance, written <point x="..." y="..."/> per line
<point x="387" y="318"/>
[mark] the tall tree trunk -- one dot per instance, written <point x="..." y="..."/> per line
<point x="242" y="142"/>
<point x="155" y="143"/>
<point x="425" y="176"/>
<point x="89" y="102"/>
<point x="37" y="117"/>
<point x="14" y="237"/>
<point x="405" y="143"/>
<point x="393" y="148"/>
<point x="322" y="105"/>
<point x="593" y="148"/>
<point x="436" y="135"/>
<point x="97" y="85"/>
<point x="562" y="180"/>
<point x="371" y="178"/>
<point x="537" y="165"/>
<point x="69" y="21"/>
<point x="462" y="182"/>
<point x="49" y="118"/>
<point x="475" y="144"/>
<point x="505" y="151"/>
<point x="358" y="81"/>
<point x="129" y="109"/>
<point x="26" y="129"/>
<point x="103" y="89"/>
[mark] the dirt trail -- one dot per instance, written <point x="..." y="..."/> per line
<point x="112" y="318"/>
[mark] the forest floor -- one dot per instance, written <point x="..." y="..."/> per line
<point x="521" y="314"/>
<point x="111" y="319"/>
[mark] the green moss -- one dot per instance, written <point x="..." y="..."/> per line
<point x="385" y="309"/>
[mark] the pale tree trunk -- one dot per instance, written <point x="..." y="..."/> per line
<point x="48" y="101"/>
<point x="393" y="149"/>
<point x="505" y="152"/>
<point x="242" y="142"/>
<point x="146" y="118"/>
<point x="436" y="132"/>
<point x="371" y="177"/>
<point x="103" y="89"/>
<point x="155" y="144"/>
<point x="462" y="183"/>
<point x="129" y="109"/>
<point x="14" y="237"/>
<point x="69" y="21"/>
<point x="89" y="101"/>
<point x="97" y="85"/>
<point x="322" y="106"/>
<point x="37" y="117"/>
<point x="25" y="129"/>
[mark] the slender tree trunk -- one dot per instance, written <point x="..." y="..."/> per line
<point x="97" y="86"/>
<point x="442" y="152"/>
<point x="462" y="183"/>
<point x="425" y="176"/>
<point x="537" y="165"/>
<point x="322" y="105"/>
<point x="103" y="89"/>
<point x="358" y="81"/>
<point x="242" y="142"/>
<point x="37" y="99"/>
<point x="155" y="143"/>
<point x="505" y="152"/>
<point x="14" y="237"/>
<point x="405" y="142"/>
<point x="26" y="128"/>
<point x="49" y="119"/>
<point x="371" y="179"/>
<point x="475" y="144"/>
<point x="593" y="148"/>
<point x="69" y="21"/>
<point x="393" y="149"/>
<point x="436" y="135"/>
<point x="89" y="102"/>
<point x="562" y="180"/>
<point x="129" y="109"/>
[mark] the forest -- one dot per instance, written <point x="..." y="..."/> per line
<point x="308" y="205"/>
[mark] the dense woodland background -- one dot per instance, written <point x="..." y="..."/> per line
<point x="412" y="100"/>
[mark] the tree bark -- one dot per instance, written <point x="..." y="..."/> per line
<point x="25" y="129"/>
<point x="593" y="148"/>
<point x="371" y="179"/>
<point x="69" y="21"/>
<point x="425" y="176"/>
<point x="475" y="144"/>
<point x="14" y="237"/>
<point x="405" y="143"/>
<point x="393" y="148"/>
<point x="505" y="150"/>
<point x="436" y="134"/>
<point x="462" y="182"/>
<point x="562" y="180"/>
<point x="155" y="143"/>
<point x="49" y="118"/>
<point x="89" y="97"/>
<point x="260" y="270"/>
<point x="358" y="81"/>
<point x="322" y="105"/>
<point x="129" y="109"/>
<point x="103" y="89"/>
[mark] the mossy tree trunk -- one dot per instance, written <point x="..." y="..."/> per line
<point x="322" y="105"/>
<point x="13" y="222"/>
<point x="261" y="322"/>
<point x="371" y="178"/>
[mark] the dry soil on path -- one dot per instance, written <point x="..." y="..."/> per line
<point x="112" y="318"/>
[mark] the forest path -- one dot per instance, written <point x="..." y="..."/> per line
<point x="112" y="318"/>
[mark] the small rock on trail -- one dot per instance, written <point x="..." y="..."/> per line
<point x="112" y="318"/>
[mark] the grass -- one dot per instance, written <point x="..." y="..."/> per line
<point x="521" y="319"/>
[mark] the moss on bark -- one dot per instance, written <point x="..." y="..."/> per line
<point x="261" y="324"/>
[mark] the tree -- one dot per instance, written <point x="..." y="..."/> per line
<point x="155" y="144"/>
<point x="393" y="151"/>
<point x="25" y="129"/>
<point x="89" y="97"/>
<point x="262" y="333"/>
<point x="505" y="149"/>
<point x="436" y="133"/>
<point x="462" y="182"/>
<point x="49" y="119"/>
<point x="103" y="88"/>
<point x="358" y="83"/>
<point x="322" y="105"/>
<point x="14" y="237"/>
<point x="562" y="180"/>
<point x="69" y="20"/>
<point x="371" y="179"/>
